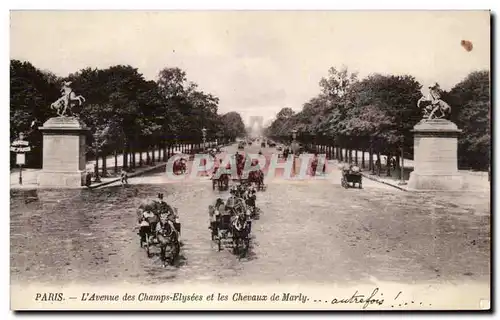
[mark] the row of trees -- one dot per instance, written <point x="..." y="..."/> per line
<point x="124" y="111"/>
<point x="379" y="112"/>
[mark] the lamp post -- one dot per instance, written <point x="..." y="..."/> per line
<point x="204" y="132"/>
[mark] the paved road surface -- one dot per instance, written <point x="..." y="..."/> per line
<point x="313" y="231"/>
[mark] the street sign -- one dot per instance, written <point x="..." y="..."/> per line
<point x="20" y="149"/>
<point x="20" y="159"/>
<point x="18" y="143"/>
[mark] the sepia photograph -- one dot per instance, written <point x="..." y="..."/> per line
<point x="250" y="160"/>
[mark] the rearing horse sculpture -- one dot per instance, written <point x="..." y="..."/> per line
<point x="433" y="104"/>
<point x="67" y="101"/>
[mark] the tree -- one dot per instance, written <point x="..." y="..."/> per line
<point x="31" y="94"/>
<point x="233" y="125"/>
<point x="282" y="125"/>
<point x="383" y="107"/>
<point x="338" y="81"/>
<point x="471" y="104"/>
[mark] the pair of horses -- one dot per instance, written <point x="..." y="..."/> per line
<point x="155" y="227"/>
<point x="230" y="220"/>
<point x="221" y="181"/>
<point x="256" y="177"/>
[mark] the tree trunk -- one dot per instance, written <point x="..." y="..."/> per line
<point x="116" y="161"/>
<point x="104" y="166"/>
<point x="370" y="160"/>
<point x="356" y="156"/>
<point x="96" y="167"/>
<point x="133" y="157"/>
<point x="125" y="158"/>
<point x="140" y="158"/>
<point x="379" y="166"/>
<point x="388" y="169"/>
<point x="363" y="159"/>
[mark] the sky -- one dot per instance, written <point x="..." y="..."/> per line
<point x="257" y="62"/>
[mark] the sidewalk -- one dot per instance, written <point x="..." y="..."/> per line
<point x="30" y="176"/>
<point x="109" y="180"/>
<point x="473" y="182"/>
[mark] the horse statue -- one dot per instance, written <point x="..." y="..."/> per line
<point x="67" y="100"/>
<point x="433" y="106"/>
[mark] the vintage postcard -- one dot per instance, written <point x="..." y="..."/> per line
<point x="250" y="160"/>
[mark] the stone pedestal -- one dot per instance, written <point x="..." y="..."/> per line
<point x="64" y="149"/>
<point x="435" y="156"/>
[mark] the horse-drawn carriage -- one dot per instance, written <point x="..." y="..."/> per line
<point x="220" y="181"/>
<point x="179" y="166"/>
<point x="230" y="223"/>
<point x="351" y="176"/>
<point x="256" y="178"/>
<point x="159" y="227"/>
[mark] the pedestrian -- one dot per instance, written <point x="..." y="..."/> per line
<point x="124" y="177"/>
<point x="314" y="164"/>
<point x="378" y="166"/>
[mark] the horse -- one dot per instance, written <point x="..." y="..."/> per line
<point x="62" y="104"/>
<point x="147" y="224"/>
<point x="168" y="239"/>
<point x="257" y="177"/>
<point x="250" y="199"/>
<point x="223" y="181"/>
<point x="430" y="108"/>
<point x="220" y="179"/>
<point x="240" y="230"/>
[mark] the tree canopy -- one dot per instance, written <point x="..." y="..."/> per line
<point x="380" y="111"/>
<point x="121" y="107"/>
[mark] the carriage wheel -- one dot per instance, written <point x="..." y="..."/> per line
<point x="141" y="239"/>
<point x="247" y="246"/>
<point x="177" y="251"/>
<point x="236" y="245"/>
<point x="147" y="246"/>
<point x="163" y="257"/>
<point x="343" y="182"/>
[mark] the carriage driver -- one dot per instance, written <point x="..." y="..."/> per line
<point x="353" y="167"/>
<point x="234" y="201"/>
<point x="164" y="209"/>
<point x="214" y="212"/>
<point x="146" y="214"/>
